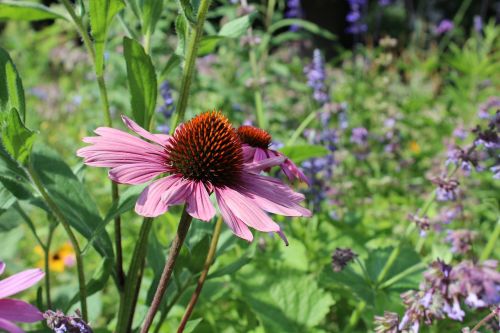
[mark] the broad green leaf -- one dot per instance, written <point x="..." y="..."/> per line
<point x="101" y="15"/>
<point x="10" y="218"/>
<point x="98" y="281"/>
<point x="151" y="13"/>
<point x="181" y="29"/>
<point x="231" y="268"/>
<point x="26" y="11"/>
<point x="70" y="196"/>
<point x="11" y="86"/>
<point x="309" y="26"/>
<point x="301" y="153"/>
<point x="19" y="189"/>
<point x="16" y="138"/>
<point x="350" y="279"/>
<point x="142" y="82"/>
<point x="10" y="168"/>
<point x="187" y="9"/>
<point x="236" y="28"/>
<point x="6" y="198"/>
<point x="208" y="45"/>
<point x="172" y="62"/>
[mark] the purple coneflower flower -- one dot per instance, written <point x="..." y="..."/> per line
<point x="14" y="310"/>
<point x="256" y="144"/>
<point x="203" y="156"/>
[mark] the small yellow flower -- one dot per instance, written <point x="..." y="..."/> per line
<point x="58" y="260"/>
<point x="415" y="147"/>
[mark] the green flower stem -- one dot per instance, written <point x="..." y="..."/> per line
<point x="132" y="283"/>
<point x="175" y="248"/>
<point x="356" y="314"/>
<point x="189" y="66"/>
<point x="201" y="280"/>
<point x="301" y="128"/>
<point x="74" y="242"/>
<point x="108" y="120"/>
<point x="46" y="250"/>
<point x="271" y="4"/>
<point x="490" y="246"/>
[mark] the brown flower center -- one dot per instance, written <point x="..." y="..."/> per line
<point x="207" y="149"/>
<point x="254" y="136"/>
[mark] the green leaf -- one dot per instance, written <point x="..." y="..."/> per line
<point x="10" y="218"/>
<point x="142" y="82"/>
<point x="11" y="86"/>
<point x="181" y="29"/>
<point x="26" y="11"/>
<point x="231" y="268"/>
<point x="6" y="198"/>
<point x="10" y="169"/>
<point x="301" y="153"/>
<point x="236" y="28"/>
<point x="151" y="13"/>
<point x="187" y="9"/>
<point x="16" y="138"/>
<point x="309" y="26"/>
<point x="350" y="279"/>
<point x="208" y="45"/>
<point x="101" y="15"/>
<point x="172" y="62"/>
<point x="191" y="325"/>
<point x="70" y="196"/>
<point x="98" y="281"/>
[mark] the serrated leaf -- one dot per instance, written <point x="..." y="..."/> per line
<point x="26" y="11"/>
<point x="142" y="82"/>
<point x="11" y="87"/>
<point x="16" y="138"/>
<point x="236" y="28"/>
<point x="187" y="9"/>
<point x="101" y="14"/>
<point x="300" y="153"/>
<point x="70" y="196"/>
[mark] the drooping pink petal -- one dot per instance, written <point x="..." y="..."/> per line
<point x="264" y="164"/>
<point x="2" y="267"/>
<point x="272" y="195"/>
<point x="293" y="172"/>
<point x="19" y="311"/>
<point x="198" y="203"/>
<point x="150" y="202"/>
<point x="283" y="237"/>
<point x="161" y="140"/>
<point x="233" y="222"/>
<point x="20" y="281"/>
<point x="9" y="327"/>
<point x="136" y="173"/>
<point x="246" y="210"/>
<point x="260" y="154"/>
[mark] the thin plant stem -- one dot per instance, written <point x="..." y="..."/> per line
<point x="484" y="321"/>
<point x="303" y="125"/>
<point x="490" y="246"/>
<point x="169" y="306"/>
<point x="132" y="283"/>
<point x="271" y="4"/>
<point x="201" y="280"/>
<point x="29" y="222"/>
<point x="356" y="314"/>
<point x="175" y="248"/>
<point x="74" y="242"/>
<point x="46" y="250"/>
<point x="108" y="120"/>
<point x="189" y="66"/>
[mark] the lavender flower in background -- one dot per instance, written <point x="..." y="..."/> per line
<point x="60" y="323"/>
<point x="316" y="77"/>
<point x="359" y="136"/>
<point x="478" y="24"/>
<point x="444" y="26"/>
<point x="355" y="17"/>
<point x="461" y="240"/>
<point x="294" y="10"/>
<point x="447" y="188"/>
<point x="167" y="108"/>
<point x="341" y="257"/>
<point x="384" y="3"/>
<point x="492" y="102"/>
<point x="460" y="133"/>
<point x="388" y="323"/>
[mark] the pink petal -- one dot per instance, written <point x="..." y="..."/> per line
<point x="136" y="173"/>
<point x="16" y="310"/>
<point x="198" y="203"/>
<point x="246" y="210"/>
<point x="20" y="281"/>
<point x="248" y="153"/>
<point x="233" y="222"/>
<point x="260" y="154"/>
<point x="2" y="267"/>
<point x="161" y="140"/>
<point x="264" y="164"/>
<point x="293" y="172"/>
<point x="150" y="202"/>
<point x="9" y="327"/>
<point x="273" y="196"/>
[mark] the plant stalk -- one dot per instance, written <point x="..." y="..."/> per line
<point x="175" y="249"/>
<point x="191" y="55"/>
<point x="201" y="280"/>
<point x="490" y="246"/>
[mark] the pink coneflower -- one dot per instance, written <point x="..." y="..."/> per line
<point x="203" y="156"/>
<point x="13" y="310"/>
<point x="256" y="144"/>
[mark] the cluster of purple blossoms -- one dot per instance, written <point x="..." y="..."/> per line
<point x="355" y="17"/>
<point x="316" y="76"/>
<point x="60" y="323"/>
<point x="392" y="137"/>
<point x="492" y="102"/>
<point x="294" y="10"/>
<point x="447" y="189"/>
<point x="167" y="108"/>
<point x="441" y="295"/>
<point x="359" y="137"/>
<point x="461" y="240"/>
<point x="444" y="26"/>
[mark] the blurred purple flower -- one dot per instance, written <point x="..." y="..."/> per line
<point x="168" y="107"/>
<point x="478" y="24"/>
<point x="444" y="26"/>
<point x="384" y="3"/>
<point x="388" y="323"/>
<point x="460" y="132"/>
<point x="359" y="136"/>
<point x="60" y="323"/>
<point x="294" y="10"/>
<point x="447" y="189"/>
<point x="492" y="102"/>
<point x="355" y="17"/>
<point x="461" y="240"/>
<point x="316" y="77"/>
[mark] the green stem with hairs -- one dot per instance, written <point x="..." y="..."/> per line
<point x="175" y="249"/>
<point x="189" y="66"/>
<point x="74" y="242"/>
